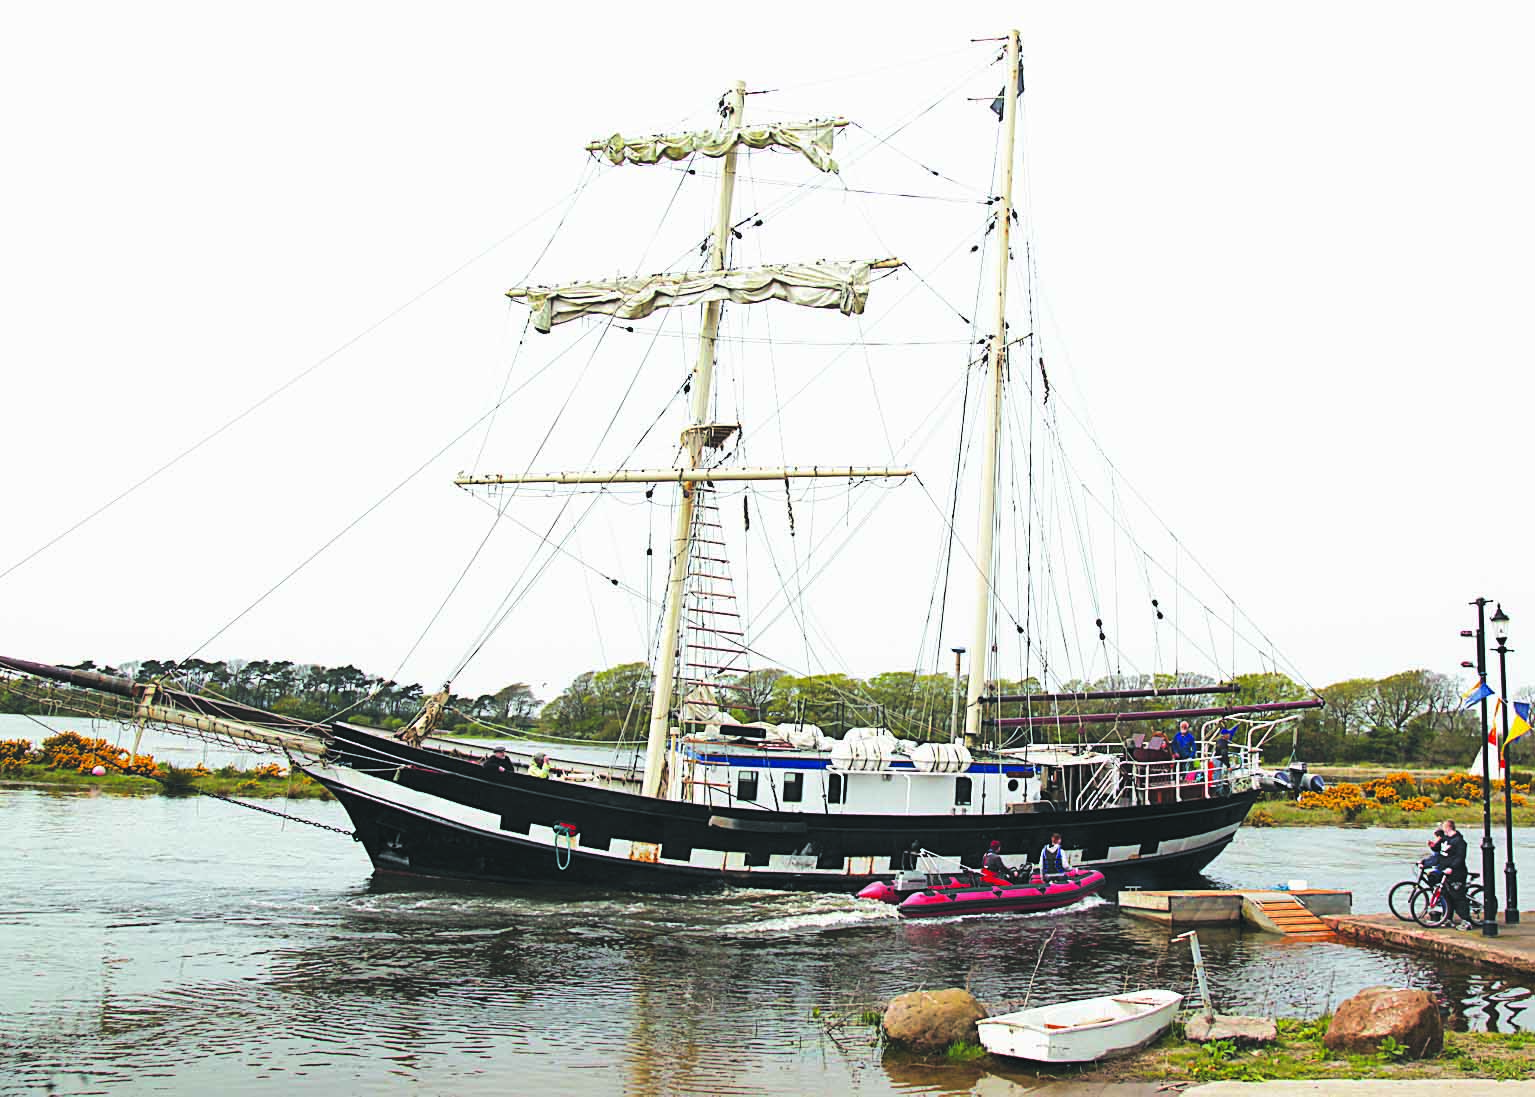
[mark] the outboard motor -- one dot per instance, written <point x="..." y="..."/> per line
<point x="1294" y="780"/>
<point x="1301" y="781"/>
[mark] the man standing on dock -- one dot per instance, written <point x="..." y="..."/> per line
<point x="1453" y="862"/>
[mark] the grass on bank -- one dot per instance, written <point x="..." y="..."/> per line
<point x="1299" y="1053"/>
<point x="1286" y="813"/>
<point x="227" y="781"/>
<point x="69" y="761"/>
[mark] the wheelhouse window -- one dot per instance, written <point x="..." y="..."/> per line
<point x="793" y="788"/>
<point x="836" y="788"/>
<point x="961" y="792"/>
<point x="746" y="785"/>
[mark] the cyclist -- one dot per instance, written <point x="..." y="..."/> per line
<point x="1433" y="863"/>
<point x="1453" y="864"/>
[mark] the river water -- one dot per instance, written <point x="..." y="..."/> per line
<point x="154" y="945"/>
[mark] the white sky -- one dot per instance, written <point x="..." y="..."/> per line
<point x="1283" y="251"/>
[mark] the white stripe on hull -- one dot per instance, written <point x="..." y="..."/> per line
<point x="488" y="823"/>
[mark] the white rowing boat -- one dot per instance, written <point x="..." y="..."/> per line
<point x="1084" y="1031"/>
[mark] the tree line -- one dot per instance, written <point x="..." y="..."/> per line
<point x="310" y="691"/>
<point x="1414" y="716"/>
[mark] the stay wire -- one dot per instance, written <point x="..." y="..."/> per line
<point x="375" y="505"/>
<point x="279" y="390"/>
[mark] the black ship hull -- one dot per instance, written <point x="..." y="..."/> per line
<point x="429" y="813"/>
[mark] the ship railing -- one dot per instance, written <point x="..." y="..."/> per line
<point x="1177" y="779"/>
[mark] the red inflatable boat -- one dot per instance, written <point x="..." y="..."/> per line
<point x="983" y="893"/>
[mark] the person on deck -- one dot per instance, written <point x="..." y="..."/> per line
<point x="1453" y="863"/>
<point x="1052" y="859"/>
<point x="993" y="862"/>
<point x="1184" y="746"/>
<point x="497" y="761"/>
<point x="1223" y="757"/>
<point x="1183" y="742"/>
<point x="540" y="766"/>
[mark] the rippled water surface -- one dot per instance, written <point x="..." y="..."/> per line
<point x="185" y="946"/>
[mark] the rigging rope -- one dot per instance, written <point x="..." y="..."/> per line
<point x="280" y="389"/>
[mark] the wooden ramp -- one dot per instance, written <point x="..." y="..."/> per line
<point x="1279" y="912"/>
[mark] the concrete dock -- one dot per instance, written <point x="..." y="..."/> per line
<point x="1293" y="913"/>
<point x="1513" y="949"/>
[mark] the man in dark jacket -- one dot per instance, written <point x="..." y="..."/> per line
<point x="497" y="761"/>
<point x="992" y="861"/>
<point x="1452" y="860"/>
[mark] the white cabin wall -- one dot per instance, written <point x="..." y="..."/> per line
<point x="898" y="791"/>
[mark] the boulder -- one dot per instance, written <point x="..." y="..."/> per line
<point x="931" y="1020"/>
<point x="1410" y="1017"/>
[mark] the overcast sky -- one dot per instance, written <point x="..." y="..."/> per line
<point x="1284" y="278"/>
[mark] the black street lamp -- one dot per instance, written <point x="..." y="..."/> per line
<point x="1489" y="863"/>
<point x="1510" y="873"/>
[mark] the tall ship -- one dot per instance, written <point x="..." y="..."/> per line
<point x="717" y="794"/>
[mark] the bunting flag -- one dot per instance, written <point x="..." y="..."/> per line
<point x="1523" y="720"/>
<point x="1478" y="692"/>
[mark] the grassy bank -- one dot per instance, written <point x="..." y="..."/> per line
<point x="225" y="782"/>
<point x="1300" y="1053"/>
<point x="1286" y="813"/>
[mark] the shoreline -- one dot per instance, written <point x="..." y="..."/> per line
<point x="229" y="781"/>
<point x="1297" y="1054"/>
<point x="224" y="782"/>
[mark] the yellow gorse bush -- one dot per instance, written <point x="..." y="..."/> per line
<point x="1406" y="793"/>
<point x="68" y="750"/>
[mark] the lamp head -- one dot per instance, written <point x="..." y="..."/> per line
<point x="1500" y="624"/>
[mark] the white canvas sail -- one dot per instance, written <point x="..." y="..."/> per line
<point x="812" y="140"/>
<point x="826" y="284"/>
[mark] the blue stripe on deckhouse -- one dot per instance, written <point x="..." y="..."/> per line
<point x="823" y="763"/>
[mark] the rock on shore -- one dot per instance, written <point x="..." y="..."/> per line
<point x="931" y="1020"/>
<point x="1410" y="1017"/>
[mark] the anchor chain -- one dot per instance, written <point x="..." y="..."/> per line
<point x="352" y="834"/>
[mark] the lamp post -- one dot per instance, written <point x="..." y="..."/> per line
<point x="1510" y="873"/>
<point x="1489" y="864"/>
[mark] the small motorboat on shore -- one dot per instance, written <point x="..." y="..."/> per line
<point x="982" y="892"/>
<point x="1082" y="1031"/>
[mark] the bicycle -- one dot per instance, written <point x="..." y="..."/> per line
<point x="1399" y="898"/>
<point x="1431" y="908"/>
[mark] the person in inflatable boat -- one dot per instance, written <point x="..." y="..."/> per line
<point x="1052" y="859"/>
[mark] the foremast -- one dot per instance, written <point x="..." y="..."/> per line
<point x="996" y="364"/>
<point x="823" y="284"/>
<point x="693" y="443"/>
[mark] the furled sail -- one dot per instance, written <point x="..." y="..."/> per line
<point x="825" y="284"/>
<point x="811" y="139"/>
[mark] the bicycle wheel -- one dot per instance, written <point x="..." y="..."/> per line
<point x="1399" y="899"/>
<point x="1474" y="903"/>
<point x="1430" y="909"/>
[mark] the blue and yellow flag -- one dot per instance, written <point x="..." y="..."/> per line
<point x="1476" y="693"/>
<point x="1523" y="719"/>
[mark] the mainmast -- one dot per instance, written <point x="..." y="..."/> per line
<point x="693" y="441"/>
<point x="985" y="562"/>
